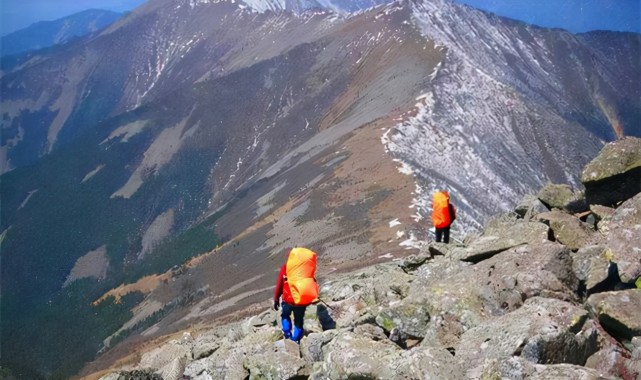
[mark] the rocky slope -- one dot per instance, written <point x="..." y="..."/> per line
<point x="542" y="293"/>
<point x="162" y="167"/>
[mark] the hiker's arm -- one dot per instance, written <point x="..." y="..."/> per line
<point x="278" y="291"/>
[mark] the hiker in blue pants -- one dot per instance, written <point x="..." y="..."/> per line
<point x="298" y="289"/>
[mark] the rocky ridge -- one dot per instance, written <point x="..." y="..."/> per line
<point x="542" y="293"/>
<point x="257" y="131"/>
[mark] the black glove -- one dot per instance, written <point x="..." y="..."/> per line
<point x="276" y="305"/>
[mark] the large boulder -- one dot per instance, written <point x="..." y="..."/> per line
<point x="351" y="356"/>
<point x="502" y="236"/>
<point x="529" y="206"/>
<point x="518" y="368"/>
<point x="623" y="231"/>
<point x="618" y="312"/>
<point x="433" y="363"/>
<point x="350" y="297"/>
<point x="601" y="212"/>
<point x="563" y="197"/>
<point x="168" y="360"/>
<point x="544" y="330"/>
<point x="615" y="174"/>
<point x="592" y="266"/>
<point x="568" y="229"/>
<point x="471" y="295"/>
<point x="282" y="362"/>
<point x="312" y="346"/>
<point x="633" y="366"/>
<point x="229" y="360"/>
<point x="610" y="360"/>
<point x="205" y="345"/>
<point x="410" y="318"/>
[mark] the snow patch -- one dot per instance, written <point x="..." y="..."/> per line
<point x="411" y="243"/>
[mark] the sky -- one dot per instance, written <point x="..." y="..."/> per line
<point x="573" y="15"/>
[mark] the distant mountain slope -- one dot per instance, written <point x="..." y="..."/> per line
<point x="206" y="128"/>
<point x="48" y="33"/>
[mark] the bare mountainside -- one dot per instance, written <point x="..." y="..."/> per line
<point x="230" y="131"/>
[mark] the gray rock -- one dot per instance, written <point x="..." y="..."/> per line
<point x="618" y="312"/>
<point x="266" y="318"/>
<point x="373" y="284"/>
<point x="591" y="265"/>
<point x="568" y="229"/>
<point x="477" y="293"/>
<point x="351" y="296"/>
<point x="437" y="269"/>
<point x="502" y="237"/>
<point x="228" y="361"/>
<point x="370" y="331"/>
<point x="205" y="345"/>
<point x="529" y="207"/>
<point x="202" y="368"/>
<point x="609" y="360"/>
<point x="624" y="239"/>
<point x="312" y="346"/>
<point x="174" y="370"/>
<point x="601" y="212"/>
<point x="615" y="174"/>
<point x="204" y="350"/>
<point x="168" y="360"/>
<point x="432" y="363"/>
<point x="413" y="262"/>
<point x="562" y="197"/>
<point x="633" y="366"/>
<point x="350" y="356"/>
<point x="410" y="318"/>
<point x="636" y="341"/>
<point x="544" y="330"/>
<point x="282" y="362"/>
<point x="518" y="368"/>
<point x="440" y="249"/>
<point x="139" y="375"/>
<point x="632" y="369"/>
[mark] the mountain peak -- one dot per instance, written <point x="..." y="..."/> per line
<point x="298" y="6"/>
<point x="265" y="5"/>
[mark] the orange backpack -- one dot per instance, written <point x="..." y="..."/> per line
<point x="300" y="272"/>
<point x="441" y="217"/>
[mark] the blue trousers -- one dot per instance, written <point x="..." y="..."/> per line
<point x="299" y="317"/>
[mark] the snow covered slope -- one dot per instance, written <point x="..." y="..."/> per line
<point x="511" y="107"/>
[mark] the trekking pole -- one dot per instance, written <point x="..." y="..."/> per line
<point x="325" y="303"/>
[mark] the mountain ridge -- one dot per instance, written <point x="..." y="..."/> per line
<point x="530" y="297"/>
<point x="236" y="134"/>
<point x="44" y="34"/>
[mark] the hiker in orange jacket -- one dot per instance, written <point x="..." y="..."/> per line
<point x="301" y="264"/>
<point x="443" y="214"/>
